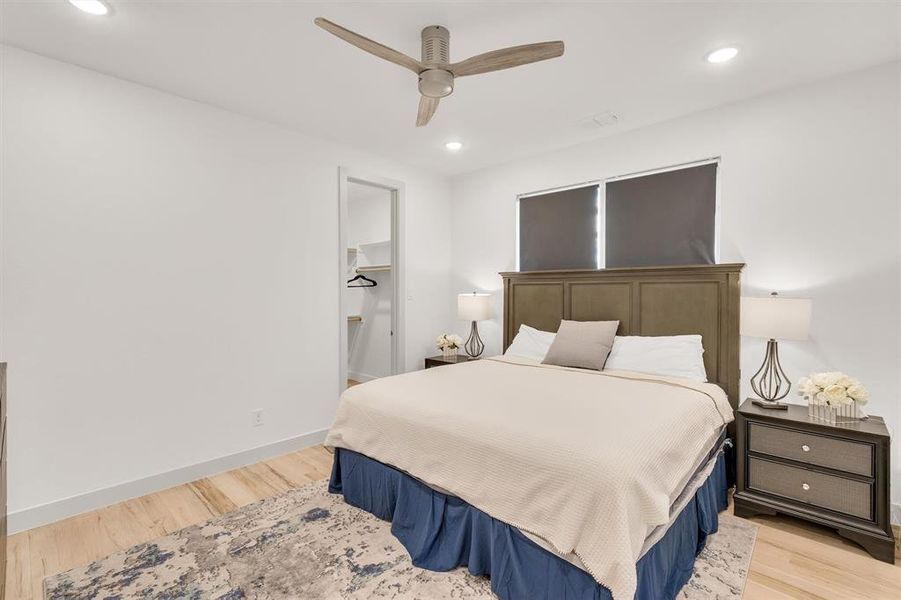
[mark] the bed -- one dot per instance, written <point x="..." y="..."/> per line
<point x="557" y="482"/>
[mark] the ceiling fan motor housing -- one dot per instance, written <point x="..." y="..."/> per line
<point x="435" y="45"/>
<point x="436" y="83"/>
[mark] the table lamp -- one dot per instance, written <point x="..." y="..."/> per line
<point x="774" y="318"/>
<point x="474" y="307"/>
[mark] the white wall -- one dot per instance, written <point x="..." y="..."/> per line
<point x="810" y="201"/>
<point x="167" y="268"/>
<point x="368" y="215"/>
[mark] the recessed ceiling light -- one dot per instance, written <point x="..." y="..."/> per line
<point x="454" y="146"/>
<point x="722" y="55"/>
<point x="93" y="7"/>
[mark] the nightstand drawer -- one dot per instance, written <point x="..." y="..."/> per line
<point x="843" y="455"/>
<point x="846" y="496"/>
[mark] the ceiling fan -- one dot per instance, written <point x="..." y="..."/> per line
<point x="436" y="72"/>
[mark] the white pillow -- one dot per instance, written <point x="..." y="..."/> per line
<point x="530" y="343"/>
<point x="667" y="355"/>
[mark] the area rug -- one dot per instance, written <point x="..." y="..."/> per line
<point x="309" y="544"/>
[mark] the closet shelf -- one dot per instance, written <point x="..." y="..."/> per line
<point x="373" y="268"/>
<point x="354" y="319"/>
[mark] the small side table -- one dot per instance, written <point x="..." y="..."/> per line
<point x="437" y="361"/>
<point x="833" y="475"/>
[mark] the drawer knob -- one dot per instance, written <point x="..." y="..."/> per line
<point x="805" y="487"/>
<point x="805" y="448"/>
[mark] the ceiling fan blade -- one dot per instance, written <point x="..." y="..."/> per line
<point x="427" y="108"/>
<point x="507" y="58"/>
<point x="371" y="46"/>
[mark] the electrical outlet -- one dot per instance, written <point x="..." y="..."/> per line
<point x="256" y="417"/>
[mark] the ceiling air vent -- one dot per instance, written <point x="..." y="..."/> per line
<point x="604" y="119"/>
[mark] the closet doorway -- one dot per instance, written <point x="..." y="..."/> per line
<point x="371" y="271"/>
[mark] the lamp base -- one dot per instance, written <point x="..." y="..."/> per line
<point x="474" y="345"/>
<point x="770" y="382"/>
<point x="768" y="405"/>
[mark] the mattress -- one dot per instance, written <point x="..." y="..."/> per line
<point x="592" y="464"/>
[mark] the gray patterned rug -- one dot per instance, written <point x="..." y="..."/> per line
<point x="309" y="544"/>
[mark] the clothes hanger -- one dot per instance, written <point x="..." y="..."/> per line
<point x="369" y="282"/>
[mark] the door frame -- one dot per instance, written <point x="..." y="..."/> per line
<point x="396" y="188"/>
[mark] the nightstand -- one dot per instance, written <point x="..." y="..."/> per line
<point x="834" y="475"/>
<point x="437" y="361"/>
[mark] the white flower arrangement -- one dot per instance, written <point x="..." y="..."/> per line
<point x="449" y="341"/>
<point x="832" y="388"/>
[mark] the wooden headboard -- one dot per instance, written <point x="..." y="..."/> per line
<point x="676" y="300"/>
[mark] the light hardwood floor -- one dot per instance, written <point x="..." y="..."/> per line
<point x="791" y="559"/>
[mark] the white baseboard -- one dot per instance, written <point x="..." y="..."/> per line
<point x="43" y="514"/>
<point x="896" y="514"/>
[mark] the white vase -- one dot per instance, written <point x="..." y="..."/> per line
<point x="835" y="415"/>
<point x="449" y="352"/>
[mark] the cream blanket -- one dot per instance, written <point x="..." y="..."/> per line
<point x="588" y="461"/>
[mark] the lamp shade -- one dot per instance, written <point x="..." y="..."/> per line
<point x="474" y="307"/>
<point x="775" y="318"/>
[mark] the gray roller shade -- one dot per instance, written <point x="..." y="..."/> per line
<point x="662" y="219"/>
<point x="558" y="230"/>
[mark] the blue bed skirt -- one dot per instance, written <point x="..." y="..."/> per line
<point x="443" y="532"/>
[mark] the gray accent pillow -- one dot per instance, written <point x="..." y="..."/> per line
<point x="582" y="344"/>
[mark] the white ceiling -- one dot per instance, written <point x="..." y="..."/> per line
<point x="643" y="61"/>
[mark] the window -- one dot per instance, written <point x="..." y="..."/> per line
<point x="559" y="230"/>
<point x="666" y="218"/>
<point x="659" y="218"/>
